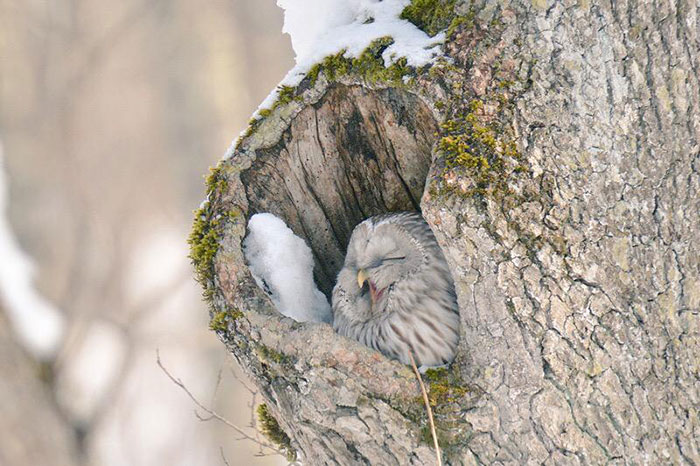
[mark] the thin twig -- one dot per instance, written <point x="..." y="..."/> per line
<point x="232" y="364"/>
<point x="427" y="407"/>
<point x="213" y="414"/>
<point x="253" y="393"/>
<point x="216" y="386"/>
<point x="223" y="457"/>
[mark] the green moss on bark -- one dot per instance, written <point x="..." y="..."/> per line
<point x="445" y="386"/>
<point x="369" y="66"/>
<point x="270" y="355"/>
<point x="219" y="321"/>
<point x="285" y="95"/>
<point x="480" y="149"/>
<point x="431" y="16"/>
<point x="271" y="429"/>
<point x="207" y="230"/>
<point x="448" y="395"/>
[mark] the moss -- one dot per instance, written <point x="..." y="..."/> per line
<point x="207" y="229"/>
<point x="271" y="429"/>
<point x="286" y="94"/>
<point x="445" y="386"/>
<point x="482" y="150"/>
<point x="369" y="66"/>
<point x="253" y="124"/>
<point x="461" y="22"/>
<point x="481" y="156"/>
<point x="447" y="396"/>
<point x="219" y="322"/>
<point x="441" y="68"/>
<point x="203" y="244"/>
<point x="335" y="66"/>
<point x="432" y="16"/>
<point x="313" y="73"/>
<point x="216" y="180"/>
<point x="270" y="355"/>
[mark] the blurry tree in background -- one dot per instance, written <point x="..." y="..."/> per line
<point x="108" y="111"/>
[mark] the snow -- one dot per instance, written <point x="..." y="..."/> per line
<point x="352" y="25"/>
<point x="319" y="28"/>
<point x="282" y="266"/>
<point x="37" y="323"/>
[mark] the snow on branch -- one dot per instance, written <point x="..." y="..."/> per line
<point x="320" y="28"/>
<point x="38" y="324"/>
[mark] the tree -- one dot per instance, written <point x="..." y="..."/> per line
<point x="555" y="154"/>
<point x="32" y="429"/>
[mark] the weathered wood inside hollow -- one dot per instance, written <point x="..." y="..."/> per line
<point x="354" y="154"/>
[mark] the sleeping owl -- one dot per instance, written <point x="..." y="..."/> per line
<point x="395" y="292"/>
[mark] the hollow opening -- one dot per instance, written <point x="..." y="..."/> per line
<point x="354" y="154"/>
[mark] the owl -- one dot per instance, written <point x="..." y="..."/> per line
<point x="395" y="292"/>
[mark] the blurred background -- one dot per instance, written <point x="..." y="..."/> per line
<point x="110" y="115"/>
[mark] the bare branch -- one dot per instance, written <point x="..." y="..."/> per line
<point x="223" y="457"/>
<point x="216" y="386"/>
<point x="213" y="414"/>
<point x="253" y="393"/>
<point x="235" y="376"/>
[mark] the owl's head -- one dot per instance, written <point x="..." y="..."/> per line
<point x="380" y="253"/>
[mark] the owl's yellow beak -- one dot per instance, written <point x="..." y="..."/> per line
<point x="362" y="277"/>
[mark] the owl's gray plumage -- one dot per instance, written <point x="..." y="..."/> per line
<point x="395" y="292"/>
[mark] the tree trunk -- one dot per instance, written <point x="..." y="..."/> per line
<point x="556" y="157"/>
<point x="32" y="431"/>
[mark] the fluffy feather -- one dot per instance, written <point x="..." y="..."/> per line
<point x="408" y="301"/>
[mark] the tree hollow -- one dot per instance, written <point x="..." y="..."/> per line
<point x="355" y="153"/>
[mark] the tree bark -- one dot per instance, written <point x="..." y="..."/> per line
<point x="573" y="242"/>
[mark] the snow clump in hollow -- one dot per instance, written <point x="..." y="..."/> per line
<point x="282" y="265"/>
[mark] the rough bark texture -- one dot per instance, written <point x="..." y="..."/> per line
<point x="577" y="274"/>
<point x="32" y="432"/>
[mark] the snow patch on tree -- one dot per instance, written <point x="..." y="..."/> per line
<point x="282" y="265"/>
<point x="321" y="28"/>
